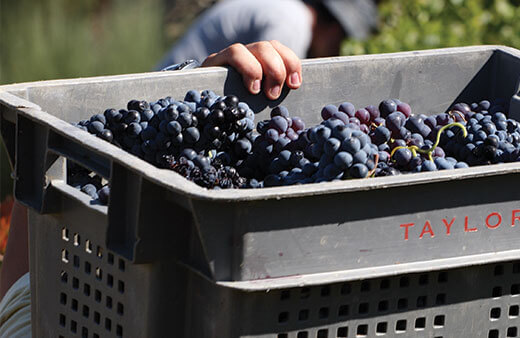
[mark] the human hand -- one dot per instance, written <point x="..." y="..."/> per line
<point x="271" y="61"/>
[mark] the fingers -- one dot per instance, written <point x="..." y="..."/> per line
<point x="240" y="58"/>
<point x="272" y="61"/>
<point x="292" y="63"/>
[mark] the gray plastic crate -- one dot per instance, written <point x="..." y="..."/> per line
<point x="167" y="257"/>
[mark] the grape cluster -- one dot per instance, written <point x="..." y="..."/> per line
<point x="89" y="183"/>
<point x="210" y="140"/>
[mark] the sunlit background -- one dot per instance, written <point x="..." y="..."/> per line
<point x="52" y="39"/>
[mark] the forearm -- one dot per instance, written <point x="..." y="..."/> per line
<point x="16" y="259"/>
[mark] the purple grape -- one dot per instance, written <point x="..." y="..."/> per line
<point x="279" y="123"/>
<point x="374" y="113"/>
<point x="347" y="108"/>
<point x="272" y="135"/>
<point x="404" y="108"/>
<point x="363" y="115"/>
<point x="328" y="111"/>
<point x="387" y="107"/>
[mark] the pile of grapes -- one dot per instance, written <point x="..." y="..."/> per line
<point x="212" y="141"/>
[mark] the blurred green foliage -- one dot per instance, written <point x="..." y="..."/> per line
<point x="54" y="39"/>
<point x="424" y="24"/>
<point x="61" y="39"/>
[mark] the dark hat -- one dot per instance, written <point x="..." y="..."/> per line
<point x="357" y="17"/>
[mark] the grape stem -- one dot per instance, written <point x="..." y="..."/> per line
<point x="372" y="172"/>
<point x="452" y="112"/>
<point x="428" y="152"/>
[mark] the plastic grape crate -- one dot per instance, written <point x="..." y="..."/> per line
<point x="428" y="254"/>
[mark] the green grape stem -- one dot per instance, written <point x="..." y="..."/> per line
<point x="428" y="152"/>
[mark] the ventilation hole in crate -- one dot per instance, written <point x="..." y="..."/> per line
<point x="63" y="299"/>
<point x="382" y="306"/>
<point x="74" y="305"/>
<point x="73" y="326"/>
<point x="121" y="264"/>
<point x="324" y="333"/>
<point x="381" y="328"/>
<point x="110" y="280"/>
<point x="423" y="279"/>
<point x="64" y="277"/>
<point x="97" y="296"/>
<point x="75" y="283"/>
<point x="75" y="261"/>
<point x="76" y="239"/>
<point x="363" y="308"/>
<point x="443" y="277"/>
<point x="99" y="252"/>
<point x="323" y="313"/>
<point x="88" y="246"/>
<point x="345" y="289"/>
<point x="497" y="291"/>
<point x="120" y="309"/>
<point x="438" y="321"/>
<point x="512" y="332"/>
<point x="97" y="317"/>
<point x="513" y="311"/>
<point x="400" y="326"/>
<point x="110" y="258"/>
<point x="494" y="314"/>
<point x="516" y="267"/>
<point x="305" y="293"/>
<point x="421" y="301"/>
<point x="385" y="284"/>
<point x="303" y="315"/>
<point x="342" y="332"/>
<point x="440" y="299"/>
<point x="109" y="302"/>
<point x="302" y="334"/>
<point x="420" y="323"/>
<point x="499" y="270"/>
<point x="84" y="332"/>
<point x="325" y="291"/>
<point x="493" y="334"/>
<point x="119" y="331"/>
<point x="108" y="324"/>
<point x="99" y="273"/>
<point x="402" y="303"/>
<point x="283" y="317"/>
<point x="285" y="294"/>
<point x="343" y="310"/>
<point x="121" y="286"/>
<point x="515" y="289"/>
<point x="365" y="286"/>
<point x="86" y="311"/>
<point x="362" y="330"/>
<point x="86" y="289"/>
<point x="64" y="256"/>
<point x="404" y="282"/>
<point x="282" y="335"/>
<point x="65" y="234"/>
<point x="63" y="320"/>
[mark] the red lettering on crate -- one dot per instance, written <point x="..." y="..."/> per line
<point x="499" y="220"/>
<point x="427" y="229"/>
<point x="514" y="217"/>
<point x="466" y="226"/>
<point x="448" y="225"/>
<point x="406" y="226"/>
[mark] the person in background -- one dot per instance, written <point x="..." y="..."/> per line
<point x="272" y="63"/>
<point x="311" y="28"/>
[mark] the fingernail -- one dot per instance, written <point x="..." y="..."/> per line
<point x="256" y="86"/>
<point x="275" y="91"/>
<point x="294" y="79"/>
